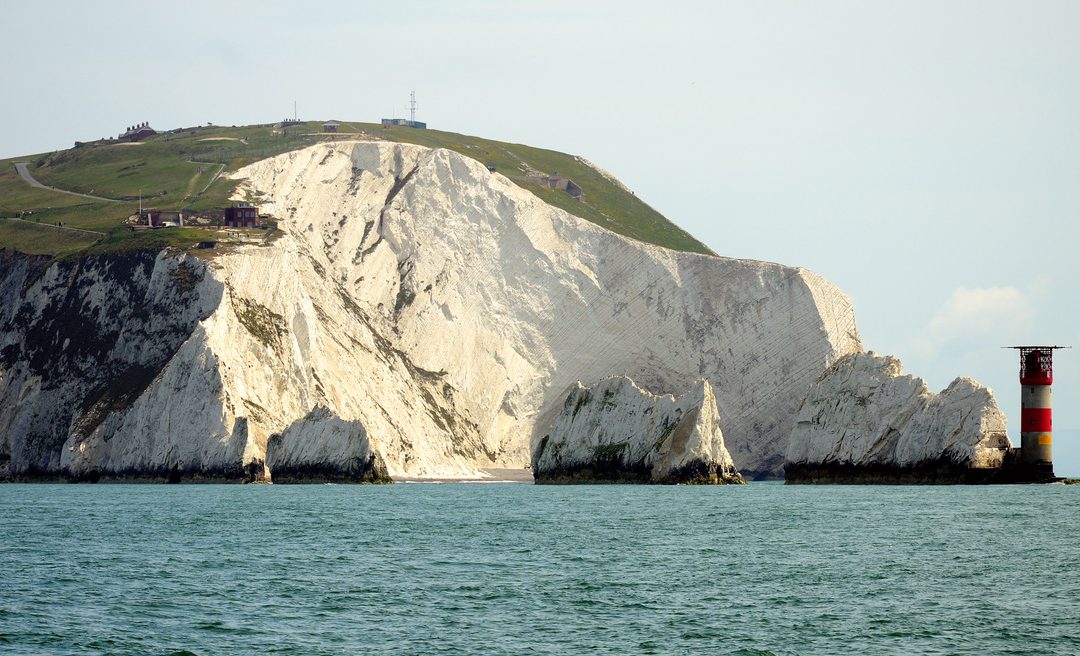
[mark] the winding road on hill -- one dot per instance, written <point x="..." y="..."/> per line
<point x="25" y="175"/>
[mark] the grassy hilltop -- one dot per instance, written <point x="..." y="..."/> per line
<point x="183" y="170"/>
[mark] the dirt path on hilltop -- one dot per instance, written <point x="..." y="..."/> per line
<point x="24" y="173"/>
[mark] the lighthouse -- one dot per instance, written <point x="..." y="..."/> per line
<point x="1036" y="423"/>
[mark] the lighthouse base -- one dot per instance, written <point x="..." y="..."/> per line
<point x="1028" y="469"/>
<point x="1039" y="472"/>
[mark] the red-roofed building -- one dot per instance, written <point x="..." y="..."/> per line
<point x="138" y="132"/>
<point x="242" y="215"/>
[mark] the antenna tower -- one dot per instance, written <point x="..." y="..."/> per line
<point x="412" y="106"/>
<point x="294" y="115"/>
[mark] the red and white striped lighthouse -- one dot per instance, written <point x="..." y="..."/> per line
<point x="1036" y="421"/>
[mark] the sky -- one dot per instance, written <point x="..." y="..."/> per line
<point x="924" y="156"/>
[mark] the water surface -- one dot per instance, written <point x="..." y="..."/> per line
<point x="510" y="569"/>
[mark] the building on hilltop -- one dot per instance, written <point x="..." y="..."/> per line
<point x="162" y="218"/>
<point x="409" y="123"/>
<point x="137" y="132"/>
<point x="556" y="182"/>
<point x="283" y="126"/>
<point x="242" y="215"/>
<point x="330" y="126"/>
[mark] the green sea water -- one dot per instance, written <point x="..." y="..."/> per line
<point x="523" y="569"/>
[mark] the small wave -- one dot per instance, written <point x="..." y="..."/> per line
<point x="221" y="627"/>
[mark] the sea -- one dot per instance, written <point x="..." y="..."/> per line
<point x="508" y="568"/>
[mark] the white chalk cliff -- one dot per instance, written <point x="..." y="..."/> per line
<point x="437" y="305"/>
<point x="864" y="412"/>
<point x="616" y="431"/>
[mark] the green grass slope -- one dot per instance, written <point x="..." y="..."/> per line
<point x="182" y="170"/>
<point x="42" y="238"/>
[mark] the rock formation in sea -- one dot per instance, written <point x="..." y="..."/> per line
<point x="413" y="293"/>
<point x="865" y="421"/>
<point x="615" y="431"/>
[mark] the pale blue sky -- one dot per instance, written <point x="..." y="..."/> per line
<point x="922" y="155"/>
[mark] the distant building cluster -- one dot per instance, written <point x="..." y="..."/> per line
<point x="240" y="215"/>
<point x="137" y="132"/>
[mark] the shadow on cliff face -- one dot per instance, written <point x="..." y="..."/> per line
<point x="324" y="448"/>
<point x="83" y="338"/>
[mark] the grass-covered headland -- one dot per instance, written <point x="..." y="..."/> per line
<point x="182" y="170"/>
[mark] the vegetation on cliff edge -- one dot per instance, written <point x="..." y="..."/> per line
<point x="183" y="170"/>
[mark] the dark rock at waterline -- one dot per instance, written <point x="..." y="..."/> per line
<point x="697" y="472"/>
<point x="930" y="472"/>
